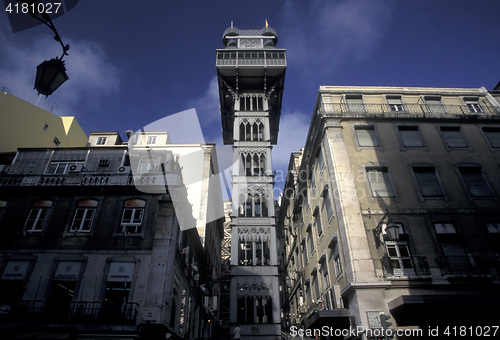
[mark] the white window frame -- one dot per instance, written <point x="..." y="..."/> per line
<point x="39" y="220"/>
<point x="82" y="226"/>
<point x="130" y="225"/>
<point x="395" y="103"/>
<point x="473" y="105"/>
<point x="102" y="140"/>
<point x="151" y="140"/>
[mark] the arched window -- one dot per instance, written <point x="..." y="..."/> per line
<point x="133" y="215"/>
<point x="84" y="216"/>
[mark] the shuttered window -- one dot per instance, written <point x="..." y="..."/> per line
<point x="453" y="137"/>
<point x="475" y="181"/>
<point x="366" y="135"/>
<point x="428" y="181"/>
<point x="410" y="136"/>
<point x="379" y="180"/>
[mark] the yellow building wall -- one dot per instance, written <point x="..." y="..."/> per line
<point x="24" y="125"/>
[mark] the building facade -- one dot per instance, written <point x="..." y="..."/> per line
<point x="251" y="74"/>
<point x="24" y="125"/>
<point x="391" y="211"/>
<point x="92" y="246"/>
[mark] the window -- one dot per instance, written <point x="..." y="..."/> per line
<point x="326" y="277"/>
<point x="310" y="237"/>
<point x="320" y="160"/>
<point x="313" y="184"/>
<point x="253" y="252"/>
<point x="251" y="103"/>
<point x="355" y="103"/>
<point x="410" y="136"/>
<point x="338" y="265"/>
<point x="399" y="258"/>
<point x="56" y="141"/>
<point x="254" y="206"/>
<point x="254" y="309"/>
<point x="251" y="131"/>
<point x="84" y="216"/>
<point x="434" y="104"/>
<point x="475" y="182"/>
<point x="492" y="134"/>
<point x="395" y="103"/>
<point x="133" y="215"/>
<point x="473" y="105"/>
<point x="327" y="203"/>
<point x="453" y="137"/>
<point x="253" y="165"/>
<point x="38" y="216"/>
<point x="317" y="222"/>
<point x="101" y="140"/>
<point x="151" y="140"/>
<point x="366" y="136"/>
<point x="3" y="204"/>
<point x="379" y="181"/>
<point x="493" y="228"/>
<point x="428" y="182"/>
<point x="149" y="164"/>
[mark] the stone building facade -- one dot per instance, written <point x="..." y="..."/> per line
<point x="91" y="245"/>
<point x="391" y="211"/>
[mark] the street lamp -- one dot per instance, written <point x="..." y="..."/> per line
<point x="392" y="230"/>
<point x="50" y="74"/>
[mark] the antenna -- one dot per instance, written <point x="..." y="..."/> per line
<point x="231" y="24"/>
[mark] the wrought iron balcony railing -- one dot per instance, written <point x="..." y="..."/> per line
<point x="462" y="265"/>
<point x="407" y="109"/>
<point x="74" y="312"/>
<point x="405" y="266"/>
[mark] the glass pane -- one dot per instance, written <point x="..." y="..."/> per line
<point x="411" y="137"/>
<point x="366" y="136"/>
<point x="475" y="181"/>
<point x="454" y="139"/>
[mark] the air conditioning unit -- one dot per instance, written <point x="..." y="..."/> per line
<point x="103" y="162"/>
<point x="124" y="169"/>
<point x="75" y="168"/>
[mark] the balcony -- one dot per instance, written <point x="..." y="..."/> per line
<point x="405" y="266"/>
<point x="74" y="312"/>
<point x="257" y="58"/>
<point x="406" y="110"/>
<point x="463" y="265"/>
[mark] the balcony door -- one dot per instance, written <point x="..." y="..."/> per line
<point x="399" y="258"/>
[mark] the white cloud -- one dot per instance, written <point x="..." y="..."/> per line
<point x="325" y="33"/>
<point x="90" y="71"/>
<point x="207" y="108"/>
<point x="291" y="138"/>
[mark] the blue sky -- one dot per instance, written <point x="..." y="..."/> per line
<point x="133" y="62"/>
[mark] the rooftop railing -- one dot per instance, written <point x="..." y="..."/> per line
<point x="407" y="109"/>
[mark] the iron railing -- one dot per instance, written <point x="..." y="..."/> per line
<point x="405" y="266"/>
<point x="462" y="265"/>
<point x="74" y="312"/>
<point x="407" y="109"/>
